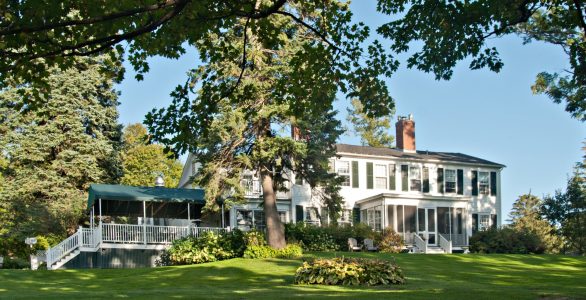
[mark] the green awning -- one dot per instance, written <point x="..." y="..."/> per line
<point x="142" y="193"/>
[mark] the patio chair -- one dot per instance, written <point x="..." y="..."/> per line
<point x="353" y="245"/>
<point x="369" y="245"/>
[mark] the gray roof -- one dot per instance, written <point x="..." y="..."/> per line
<point x="418" y="155"/>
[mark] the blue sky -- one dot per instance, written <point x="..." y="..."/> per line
<point x="479" y="113"/>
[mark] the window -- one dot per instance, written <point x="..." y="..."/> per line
<point x="345" y="216"/>
<point x="450" y="178"/>
<point x="484" y="222"/>
<point x="380" y="176"/>
<point x="483" y="183"/>
<point x="244" y="219"/>
<point x="415" y="178"/>
<point x="311" y="215"/>
<point x="343" y="170"/>
<point x="251" y="186"/>
<point x="374" y="218"/>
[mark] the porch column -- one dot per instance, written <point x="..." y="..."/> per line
<point x="144" y="222"/>
<point x="100" y="200"/>
<point x="450" y="221"/>
<point x="92" y="217"/>
<point x="188" y="213"/>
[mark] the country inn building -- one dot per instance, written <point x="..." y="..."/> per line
<point x="435" y="200"/>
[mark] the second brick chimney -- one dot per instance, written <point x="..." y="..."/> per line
<point x="406" y="133"/>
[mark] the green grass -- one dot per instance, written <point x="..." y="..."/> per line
<point x="428" y="277"/>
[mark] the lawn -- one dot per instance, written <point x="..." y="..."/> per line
<point x="428" y="277"/>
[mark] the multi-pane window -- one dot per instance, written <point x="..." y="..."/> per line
<point x="251" y="186"/>
<point x="343" y="170"/>
<point x="380" y="176"/>
<point x="483" y="183"/>
<point x="345" y="216"/>
<point x="484" y="222"/>
<point x="374" y="220"/>
<point x="311" y="215"/>
<point x="415" y="178"/>
<point x="450" y="177"/>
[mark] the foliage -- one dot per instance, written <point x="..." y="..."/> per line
<point x="451" y="31"/>
<point x="326" y="238"/>
<point x="142" y="160"/>
<point x="257" y="251"/>
<point x="567" y="212"/>
<point x="507" y="240"/>
<point x="526" y="217"/>
<point x="54" y="152"/>
<point x="349" y="271"/>
<point x="207" y="247"/>
<point x="390" y="241"/>
<point x="16" y="263"/>
<point x="373" y="131"/>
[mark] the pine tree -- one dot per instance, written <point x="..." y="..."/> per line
<point x="526" y="217"/>
<point x="142" y="160"/>
<point x="70" y="140"/>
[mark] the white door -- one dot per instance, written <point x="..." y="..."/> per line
<point x="426" y="225"/>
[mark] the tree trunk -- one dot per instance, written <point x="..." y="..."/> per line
<point x="275" y="229"/>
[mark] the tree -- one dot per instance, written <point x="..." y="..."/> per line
<point x="251" y="84"/>
<point x="373" y="131"/>
<point x="567" y="212"/>
<point x="54" y="152"/>
<point x="526" y="217"/>
<point x="142" y="161"/>
<point x="450" y="31"/>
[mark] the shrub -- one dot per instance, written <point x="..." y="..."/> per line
<point x="349" y="271"/>
<point x="290" y="251"/>
<point x="390" y="241"/>
<point x="207" y="247"/>
<point x="328" y="238"/>
<point x="506" y="240"/>
<point x="16" y="263"/>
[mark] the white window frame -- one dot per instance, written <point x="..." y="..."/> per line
<point x="344" y="172"/>
<point x="380" y="176"/>
<point x="446" y="181"/>
<point x="411" y="178"/>
<point x="485" y="191"/>
<point x="486" y="225"/>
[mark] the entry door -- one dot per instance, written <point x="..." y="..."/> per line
<point x="427" y="225"/>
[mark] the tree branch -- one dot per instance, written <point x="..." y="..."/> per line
<point x="580" y="15"/>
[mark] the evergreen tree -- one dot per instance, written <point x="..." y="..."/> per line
<point x="54" y="152"/>
<point x="526" y="217"/>
<point x="142" y="161"/>
<point x="373" y="131"/>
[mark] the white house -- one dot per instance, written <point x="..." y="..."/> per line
<point x="425" y="196"/>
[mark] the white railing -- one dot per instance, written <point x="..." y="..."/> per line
<point x="445" y="244"/>
<point x="196" y="231"/>
<point x="149" y="234"/>
<point x="67" y="246"/>
<point x="90" y="238"/>
<point x="123" y="233"/>
<point x="457" y="239"/>
<point x="420" y="243"/>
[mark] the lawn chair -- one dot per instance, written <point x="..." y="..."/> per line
<point x="369" y="245"/>
<point x="353" y="245"/>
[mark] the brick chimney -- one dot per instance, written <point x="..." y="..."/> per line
<point x="406" y="133"/>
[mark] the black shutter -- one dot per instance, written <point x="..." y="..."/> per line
<point x="474" y="223"/>
<point x="474" y="183"/>
<point x="392" y="179"/>
<point x="369" y="175"/>
<point x="425" y="180"/>
<point x="355" y="174"/>
<point x="460" y="183"/>
<point x="493" y="220"/>
<point x="299" y="213"/>
<point x="440" y="180"/>
<point x="404" y="178"/>
<point x="493" y="183"/>
<point x="356" y="215"/>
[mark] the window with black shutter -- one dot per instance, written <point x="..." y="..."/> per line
<point x="493" y="183"/>
<point x="369" y="175"/>
<point x="474" y="223"/>
<point x="299" y="213"/>
<point x="355" y="174"/>
<point x="404" y="178"/>
<point x="425" y="180"/>
<point x="392" y="179"/>
<point x="474" y="183"/>
<point x="356" y="215"/>
<point x="440" y="180"/>
<point x="493" y="221"/>
<point x="460" y="180"/>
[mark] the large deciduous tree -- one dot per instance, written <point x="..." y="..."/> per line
<point x="261" y="76"/>
<point x="450" y="31"/>
<point x="143" y="160"/>
<point x="54" y="152"/>
<point x="373" y="131"/>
